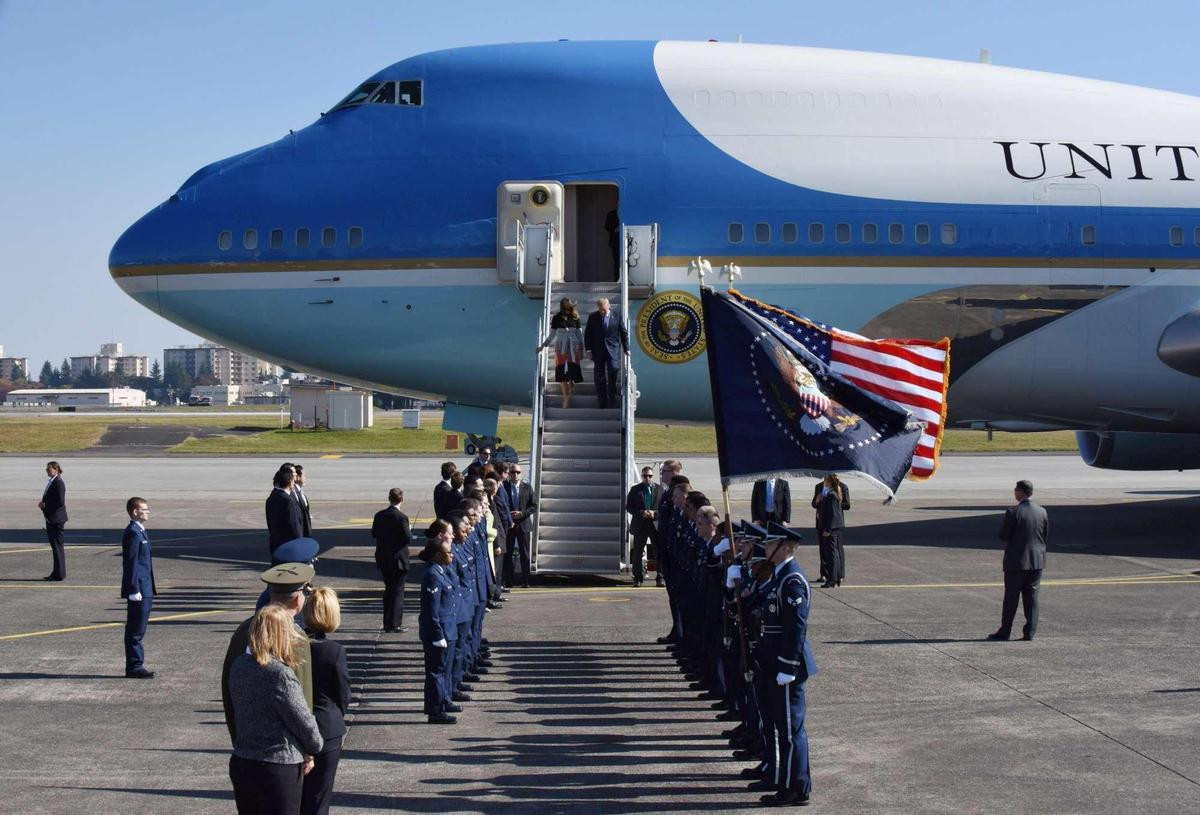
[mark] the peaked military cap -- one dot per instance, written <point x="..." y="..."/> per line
<point x="285" y="578"/>
<point x="785" y="532"/>
<point x="297" y="550"/>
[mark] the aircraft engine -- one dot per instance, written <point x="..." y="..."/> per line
<point x="1124" y="450"/>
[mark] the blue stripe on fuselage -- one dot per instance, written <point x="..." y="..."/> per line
<point x="421" y="181"/>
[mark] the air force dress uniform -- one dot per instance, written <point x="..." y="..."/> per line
<point x="438" y="627"/>
<point x="785" y="660"/>
<point x="137" y="581"/>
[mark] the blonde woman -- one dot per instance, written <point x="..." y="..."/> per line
<point x="567" y="336"/>
<point x="277" y="735"/>
<point x="331" y="696"/>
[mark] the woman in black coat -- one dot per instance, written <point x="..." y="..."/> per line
<point x="331" y="696"/>
<point x="830" y="523"/>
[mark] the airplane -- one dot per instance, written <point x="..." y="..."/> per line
<point x="1049" y="225"/>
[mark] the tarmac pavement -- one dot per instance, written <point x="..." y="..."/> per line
<point x="912" y="712"/>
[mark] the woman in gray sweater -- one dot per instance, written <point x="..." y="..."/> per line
<point x="277" y="734"/>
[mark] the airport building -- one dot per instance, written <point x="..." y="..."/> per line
<point x="77" y="397"/>
<point x="223" y="395"/>
<point x="112" y="357"/>
<point x="325" y="405"/>
<point x="228" y="366"/>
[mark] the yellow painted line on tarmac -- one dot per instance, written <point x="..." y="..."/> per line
<point x="97" y="626"/>
<point x="332" y="456"/>
<point x="42" y="549"/>
<point x="1140" y="580"/>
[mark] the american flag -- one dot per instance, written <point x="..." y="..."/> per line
<point x="914" y="374"/>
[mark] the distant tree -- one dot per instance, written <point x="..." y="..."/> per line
<point x="64" y="378"/>
<point x="46" y="377"/>
<point x="18" y="374"/>
<point x="177" y="379"/>
<point x="156" y="372"/>
<point x="87" y="379"/>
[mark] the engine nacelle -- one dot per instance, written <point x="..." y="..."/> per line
<point x="1122" y="450"/>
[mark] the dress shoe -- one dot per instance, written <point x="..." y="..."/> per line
<point x="749" y="754"/>
<point x="637" y="584"/>
<point x="660" y="582"/>
<point x="752" y="773"/>
<point x="396" y="629"/>
<point x="484" y="663"/>
<point x="785" y="798"/>
<point x="465" y="687"/>
<point x="733" y="731"/>
<point x="442" y="718"/>
<point x="493" y="605"/>
<point x="720" y="704"/>
<point x="730" y="716"/>
<point x="53" y="578"/>
<point x="710" y="696"/>
<point x="478" y="672"/>
<point x="997" y="635"/>
<point x="761" y="785"/>
<point x="670" y="639"/>
<point x="501" y="599"/>
<point x="696" y="685"/>
<point x="484" y="642"/>
<point x="505" y="590"/>
<point x="459" y="696"/>
<point x="452" y="708"/>
<point x="1027" y="638"/>
<point x="471" y="676"/>
<point x="139" y="673"/>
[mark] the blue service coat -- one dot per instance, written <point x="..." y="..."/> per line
<point x="464" y="567"/>
<point x="785" y="624"/>
<point x="439" y="605"/>
<point x="137" y="565"/>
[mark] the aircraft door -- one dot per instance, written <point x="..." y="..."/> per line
<point x="642" y="242"/>
<point x="525" y="212"/>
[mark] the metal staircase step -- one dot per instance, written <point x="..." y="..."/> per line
<point x="583" y="503"/>
<point x="577" y="518"/>
<point x="579" y="478"/>
<point x="592" y="448"/>
<point x="579" y="414"/>
<point x="570" y="535"/>
<point x="557" y="491"/>
<point x="590" y="563"/>
<point x="581" y="427"/>
<point x="601" y="465"/>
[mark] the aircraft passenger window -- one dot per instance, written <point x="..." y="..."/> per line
<point x="735" y="232"/>
<point x="276" y="238"/>
<point x="357" y="96"/>
<point x="225" y="240"/>
<point x="250" y="239"/>
<point x="789" y="232"/>
<point x="1087" y="235"/>
<point x="385" y="94"/>
<point x="302" y="238"/>
<point x="922" y="233"/>
<point x="870" y="233"/>
<point x="896" y="233"/>
<point x="356" y="236"/>
<point x="328" y="237"/>
<point x="410" y="92"/>
<point x="762" y="233"/>
<point x="1196" y="236"/>
<point x="949" y="234"/>
<point x="842" y="233"/>
<point x="1177" y="236"/>
<point x="816" y="233"/>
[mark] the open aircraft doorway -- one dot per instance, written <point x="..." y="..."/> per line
<point x="592" y="227"/>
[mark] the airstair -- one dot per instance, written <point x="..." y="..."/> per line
<point x="582" y="456"/>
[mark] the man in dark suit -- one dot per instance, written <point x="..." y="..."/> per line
<point x="137" y="586"/>
<point x="443" y="498"/>
<point x="284" y="519"/>
<point x="54" y="508"/>
<point x="642" y="506"/>
<point x="392" y="535"/>
<point x="302" y="500"/>
<point x="503" y="514"/>
<point x="522" y="510"/>
<point x="1024" y="533"/>
<point x="482" y="460"/>
<point x="606" y="340"/>
<point x="771" y="500"/>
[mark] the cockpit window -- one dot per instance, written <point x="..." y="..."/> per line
<point x="392" y="92"/>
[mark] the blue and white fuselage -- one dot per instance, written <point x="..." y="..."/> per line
<point x="1049" y="225"/>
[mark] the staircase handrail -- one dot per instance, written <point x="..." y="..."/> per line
<point x="628" y="406"/>
<point x="537" y="430"/>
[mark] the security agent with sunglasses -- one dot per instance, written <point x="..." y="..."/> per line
<point x="287" y="585"/>
<point x="642" y="506"/>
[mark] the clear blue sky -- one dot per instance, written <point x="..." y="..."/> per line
<point x="106" y="107"/>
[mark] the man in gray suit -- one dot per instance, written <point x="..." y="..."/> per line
<point x="1024" y="534"/>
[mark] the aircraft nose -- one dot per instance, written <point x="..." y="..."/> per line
<point x="137" y="258"/>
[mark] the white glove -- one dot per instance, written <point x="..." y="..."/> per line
<point x="732" y="576"/>
<point x="784" y="679"/>
<point x="441" y="643"/>
<point x="136" y="597"/>
<point x="722" y="547"/>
